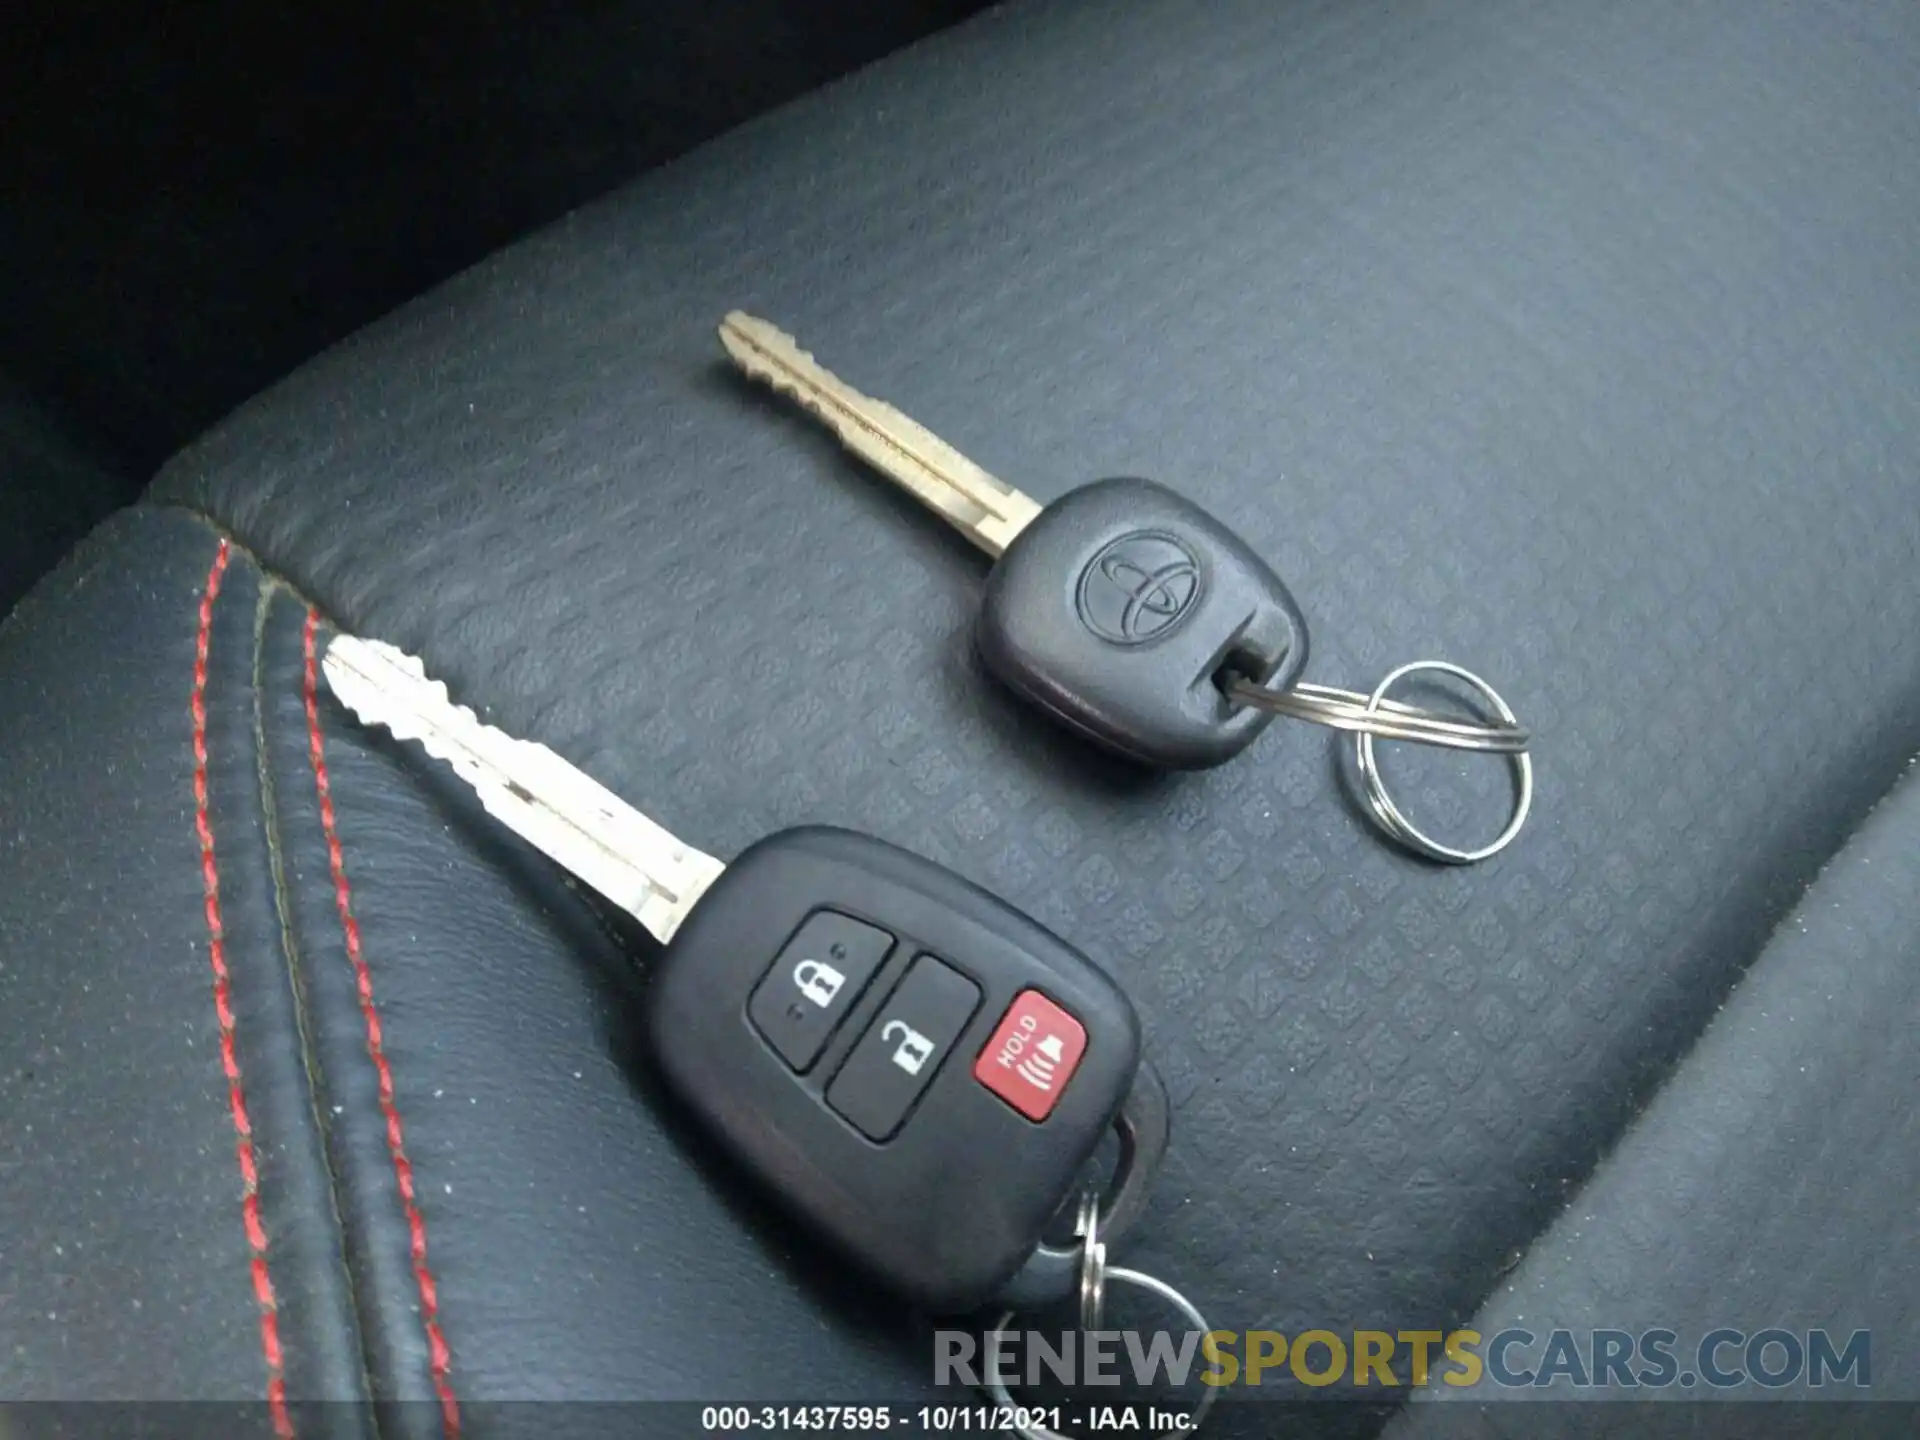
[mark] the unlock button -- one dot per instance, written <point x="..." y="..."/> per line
<point x="903" y="1048"/>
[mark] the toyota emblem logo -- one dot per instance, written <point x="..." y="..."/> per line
<point x="1138" y="587"/>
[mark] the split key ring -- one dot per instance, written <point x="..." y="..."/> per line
<point x="1375" y="716"/>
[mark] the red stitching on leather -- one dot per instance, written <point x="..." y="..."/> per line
<point x="223" y="1011"/>
<point x="439" y="1356"/>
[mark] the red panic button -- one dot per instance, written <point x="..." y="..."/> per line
<point x="1032" y="1055"/>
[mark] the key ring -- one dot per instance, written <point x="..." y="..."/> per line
<point x="1375" y="716"/>
<point x="1093" y="1264"/>
<point x="1094" y="1275"/>
<point x="1389" y="814"/>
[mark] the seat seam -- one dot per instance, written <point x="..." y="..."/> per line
<point x="440" y="1359"/>
<point x="238" y="544"/>
<point x="245" y="1154"/>
<point x="269" y="589"/>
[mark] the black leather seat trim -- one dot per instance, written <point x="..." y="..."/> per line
<point x="335" y="1266"/>
<point x="167" y="1217"/>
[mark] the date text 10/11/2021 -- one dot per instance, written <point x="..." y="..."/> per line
<point x="944" y="1419"/>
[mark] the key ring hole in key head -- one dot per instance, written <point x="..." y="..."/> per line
<point x="1389" y="815"/>
<point x="995" y="1382"/>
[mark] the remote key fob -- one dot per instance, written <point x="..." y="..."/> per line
<point x="919" y="1069"/>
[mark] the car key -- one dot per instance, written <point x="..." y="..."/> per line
<point x="1121" y="608"/>
<point x="922" y="1071"/>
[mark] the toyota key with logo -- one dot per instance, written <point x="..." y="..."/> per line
<point x="1159" y="598"/>
<point x="1121" y="609"/>
<point x="1133" y="616"/>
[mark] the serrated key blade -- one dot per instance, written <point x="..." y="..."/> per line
<point x="570" y="817"/>
<point x="988" y="511"/>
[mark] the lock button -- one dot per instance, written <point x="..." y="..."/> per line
<point x="813" y="984"/>
<point x="903" y="1049"/>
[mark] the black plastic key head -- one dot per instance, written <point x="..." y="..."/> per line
<point x="1117" y="610"/>
<point x="919" y="1069"/>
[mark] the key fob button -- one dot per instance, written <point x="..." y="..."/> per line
<point x="902" y="1051"/>
<point x="813" y="983"/>
<point x="1032" y="1056"/>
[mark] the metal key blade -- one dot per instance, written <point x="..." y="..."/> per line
<point x="579" y="823"/>
<point x="988" y="511"/>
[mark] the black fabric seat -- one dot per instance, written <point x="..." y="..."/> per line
<point x="1571" y="343"/>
